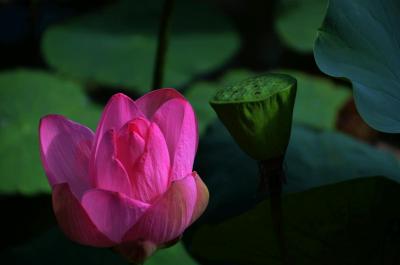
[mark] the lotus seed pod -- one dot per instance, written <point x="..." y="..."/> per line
<point x="258" y="113"/>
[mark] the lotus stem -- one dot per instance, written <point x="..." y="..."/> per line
<point x="162" y="45"/>
<point x="272" y="179"/>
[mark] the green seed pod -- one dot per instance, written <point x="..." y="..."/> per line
<point x="258" y="113"/>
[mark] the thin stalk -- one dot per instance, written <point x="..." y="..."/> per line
<point x="272" y="178"/>
<point x="162" y="45"/>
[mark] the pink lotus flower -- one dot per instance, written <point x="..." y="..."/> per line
<point x="130" y="185"/>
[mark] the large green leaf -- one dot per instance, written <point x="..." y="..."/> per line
<point x="54" y="248"/>
<point x="349" y="223"/>
<point x="116" y="45"/>
<point x="315" y="159"/>
<point x="26" y="96"/>
<point x="298" y="21"/>
<point x="360" y="40"/>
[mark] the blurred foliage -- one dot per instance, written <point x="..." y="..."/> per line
<point x="359" y="40"/>
<point x="54" y="248"/>
<point x="318" y="100"/>
<point x="25" y="97"/>
<point x="334" y="211"/>
<point x="116" y="45"/>
<point x="297" y="22"/>
<point x="199" y="95"/>
<point x="230" y="175"/>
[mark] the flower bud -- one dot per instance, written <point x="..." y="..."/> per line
<point x="130" y="185"/>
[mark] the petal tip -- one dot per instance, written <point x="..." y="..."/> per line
<point x="169" y="89"/>
<point x="119" y="98"/>
<point x="119" y="95"/>
<point x="50" y="117"/>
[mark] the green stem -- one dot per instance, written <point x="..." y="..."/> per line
<point x="272" y="178"/>
<point x="162" y="46"/>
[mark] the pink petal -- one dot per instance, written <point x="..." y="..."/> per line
<point x="119" y="110"/>
<point x="150" y="102"/>
<point x="131" y="143"/>
<point x="202" y="198"/>
<point x="65" y="150"/>
<point x="178" y="123"/>
<point x="74" y="220"/>
<point x="113" y="213"/>
<point x="151" y="173"/>
<point x="109" y="171"/>
<point x="169" y="216"/>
